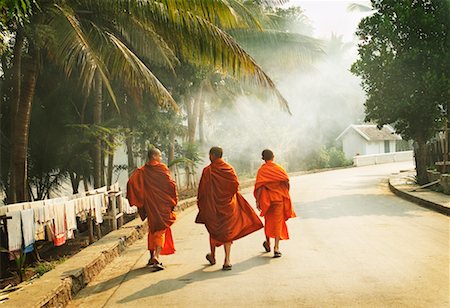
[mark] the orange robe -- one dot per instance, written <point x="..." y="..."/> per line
<point x="153" y="191"/>
<point x="272" y="194"/>
<point x="222" y="209"/>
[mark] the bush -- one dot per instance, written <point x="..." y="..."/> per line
<point x="326" y="158"/>
<point x="337" y="158"/>
<point x="43" y="267"/>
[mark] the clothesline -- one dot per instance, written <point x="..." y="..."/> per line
<point x="56" y="219"/>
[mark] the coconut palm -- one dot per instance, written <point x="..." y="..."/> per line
<point x="120" y="40"/>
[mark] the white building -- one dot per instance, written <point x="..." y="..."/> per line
<point x="367" y="139"/>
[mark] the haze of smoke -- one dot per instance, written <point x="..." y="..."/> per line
<point x="323" y="103"/>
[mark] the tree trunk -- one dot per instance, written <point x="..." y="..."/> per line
<point x="131" y="164"/>
<point x="16" y="80"/>
<point x="22" y="127"/>
<point x="171" y="150"/>
<point x="3" y="86"/>
<point x="102" y="165"/>
<point x="192" y="107"/>
<point x="97" y="121"/>
<point x="85" y="184"/>
<point x="201" y="120"/>
<point x="188" y="176"/>
<point x="420" y="156"/>
<point x="110" y="164"/>
<point x="75" y="181"/>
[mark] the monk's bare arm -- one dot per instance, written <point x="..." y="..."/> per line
<point x="257" y="195"/>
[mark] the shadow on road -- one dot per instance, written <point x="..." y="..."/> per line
<point x="169" y="285"/>
<point x="357" y="205"/>
<point x="114" y="282"/>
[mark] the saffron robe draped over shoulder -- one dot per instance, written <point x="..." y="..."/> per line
<point x="152" y="189"/>
<point x="222" y="209"/>
<point x="272" y="194"/>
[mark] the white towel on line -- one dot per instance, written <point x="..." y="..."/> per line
<point x="28" y="227"/>
<point x="60" y="219"/>
<point x="38" y="208"/>
<point x="49" y="212"/>
<point x="14" y="227"/>
<point x="98" y="208"/>
<point x="71" y="219"/>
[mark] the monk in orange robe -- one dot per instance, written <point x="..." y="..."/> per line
<point x="153" y="191"/>
<point x="222" y="209"/>
<point x="273" y="200"/>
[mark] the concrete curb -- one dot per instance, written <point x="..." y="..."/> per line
<point x="420" y="201"/>
<point x="57" y="287"/>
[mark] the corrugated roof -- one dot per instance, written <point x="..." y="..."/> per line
<point x="370" y="132"/>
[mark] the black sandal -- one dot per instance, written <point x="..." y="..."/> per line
<point x="226" y="267"/>
<point x="210" y="259"/>
<point x="152" y="262"/>
<point x="158" y="266"/>
<point x="277" y="254"/>
<point x="266" y="246"/>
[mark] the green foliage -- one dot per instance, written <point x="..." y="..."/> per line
<point x="191" y="152"/>
<point x="125" y="43"/>
<point x="155" y="126"/>
<point x="291" y="19"/>
<point x="57" y="144"/>
<point x="16" y="11"/>
<point x="19" y="261"/>
<point x="337" y="158"/>
<point x="287" y="32"/>
<point x="404" y="64"/>
<point x="43" y="267"/>
<point x="331" y="157"/>
<point x="180" y="160"/>
<point x="403" y="145"/>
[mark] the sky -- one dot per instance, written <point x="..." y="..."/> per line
<point x="330" y="16"/>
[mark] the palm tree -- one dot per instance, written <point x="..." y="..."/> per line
<point x="109" y="40"/>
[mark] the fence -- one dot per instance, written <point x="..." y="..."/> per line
<point x="384" y="158"/>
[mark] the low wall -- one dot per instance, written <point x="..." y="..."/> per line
<point x="384" y="158"/>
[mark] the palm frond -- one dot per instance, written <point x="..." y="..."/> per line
<point x="295" y="47"/>
<point x="181" y="160"/>
<point x="195" y="30"/>
<point x="206" y="44"/>
<point x="74" y="48"/>
<point x="147" y="42"/>
<point x="135" y="73"/>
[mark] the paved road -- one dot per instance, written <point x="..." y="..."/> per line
<point x="353" y="244"/>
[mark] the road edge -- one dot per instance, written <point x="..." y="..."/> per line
<point x="419" y="201"/>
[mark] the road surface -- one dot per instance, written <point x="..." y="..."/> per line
<point x="354" y="244"/>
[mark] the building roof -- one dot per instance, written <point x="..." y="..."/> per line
<point x="370" y="132"/>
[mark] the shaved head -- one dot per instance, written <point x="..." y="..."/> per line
<point x="215" y="152"/>
<point x="154" y="154"/>
<point x="267" y="155"/>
